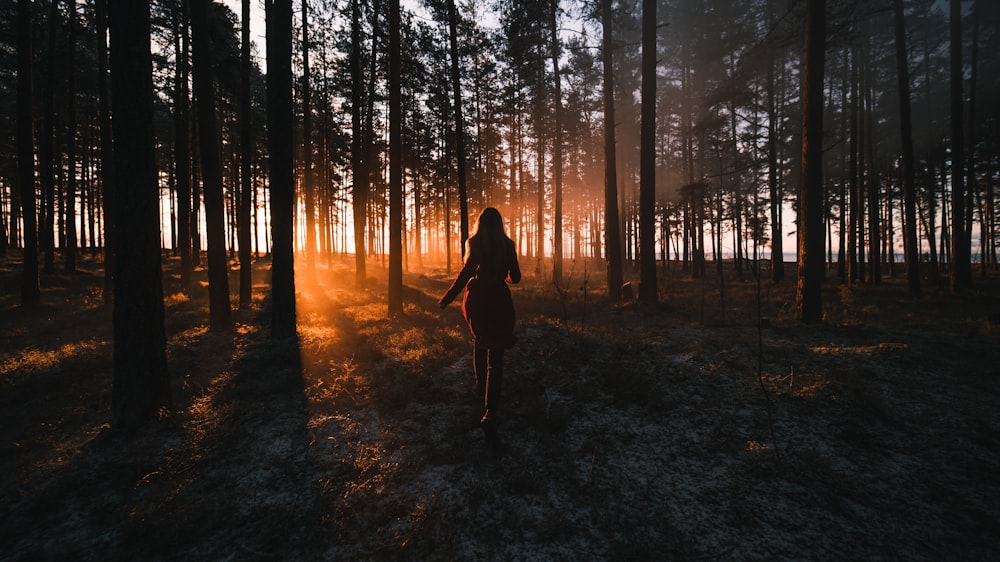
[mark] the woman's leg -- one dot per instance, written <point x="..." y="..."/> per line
<point x="480" y="365"/>
<point x="494" y="383"/>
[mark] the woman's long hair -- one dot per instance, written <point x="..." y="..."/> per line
<point x="489" y="241"/>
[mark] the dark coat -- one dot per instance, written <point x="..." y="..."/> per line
<point x="487" y="306"/>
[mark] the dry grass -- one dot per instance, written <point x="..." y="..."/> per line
<point x="630" y="432"/>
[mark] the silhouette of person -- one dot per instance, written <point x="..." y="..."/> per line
<point x="490" y="263"/>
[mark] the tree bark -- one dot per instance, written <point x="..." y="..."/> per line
<point x="246" y="157"/>
<point x="456" y="84"/>
<point x="45" y="150"/>
<point x="971" y="142"/>
<point x="647" y="157"/>
<point x="395" y="292"/>
<point x="961" y="258"/>
<point x="874" y="194"/>
<point x="612" y="227"/>
<point x="307" y="152"/>
<point x="557" y="150"/>
<point x="910" y="249"/>
<point x="182" y="148"/>
<point x="359" y="169"/>
<point x="809" y="306"/>
<point x="107" y="148"/>
<point x="282" y="180"/>
<point x="30" y="291"/>
<point x="773" y="126"/>
<point x="70" y="247"/>
<point x="141" y="381"/>
<point x="220" y="314"/>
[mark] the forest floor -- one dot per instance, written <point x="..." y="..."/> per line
<point x="706" y="427"/>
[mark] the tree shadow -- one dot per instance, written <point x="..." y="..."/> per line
<point x="238" y="480"/>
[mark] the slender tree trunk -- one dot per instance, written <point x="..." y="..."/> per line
<point x="70" y="248"/>
<point x="370" y="157"/>
<point x="30" y="292"/>
<point x="359" y="169"/>
<point x="182" y="147"/>
<point x="844" y="179"/>
<point x="9" y="237"/>
<point x="220" y="314"/>
<point x="961" y="259"/>
<point x="809" y="304"/>
<point x="910" y="248"/>
<point x="647" y="156"/>
<point x="989" y="201"/>
<point x="307" y="151"/>
<point x="46" y="168"/>
<point x="612" y="229"/>
<point x="773" y="126"/>
<point x="395" y="293"/>
<point x="539" y="179"/>
<point x="944" y="252"/>
<point x="246" y="158"/>
<point x="141" y="380"/>
<point x="859" y="145"/>
<point x="196" y="197"/>
<point x="456" y="84"/>
<point x="282" y="162"/>
<point x="107" y="148"/>
<point x="930" y="226"/>
<point x="557" y="150"/>
<point x="971" y="183"/>
<point x="874" y="195"/>
<point x="855" y="206"/>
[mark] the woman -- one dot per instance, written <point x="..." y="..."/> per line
<point x="490" y="263"/>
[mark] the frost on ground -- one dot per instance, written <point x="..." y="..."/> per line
<point x="682" y="432"/>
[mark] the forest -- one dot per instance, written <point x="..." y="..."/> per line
<point x="759" y="315"/>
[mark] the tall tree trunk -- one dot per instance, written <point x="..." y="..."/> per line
<point x="910" y="249"/>
<point x="359" y="169"/>
<point x="961" y="259"/>
<point x="307" y="151"/>
<point x="855" y="203"/>
<point x="859" y="145"/>
<point x="395" y="293"/>
<point x="107" y="148"/>
<point x="9" y="237"/>
<point x="182" y="146"/>
<point x="647" y="156"/>
<point x="989" y="212"/>
<point x="456" y="84"/>
<point x="220" y="314"/>
<point x="196" y="198"/>
<point x="370" y="158"/>
<point x="246" y="158"/>
<point x="874" y="195"/>
<point x="971" y="183"/>
<point x="773" y="127"/>
<point x="809" y="306"/>
<point x="30" y="292"/>
<point x="539" y="177"/>
<point x="612" y="229"/>
<point x="930" y="227"/>
<point x="282" y="161"/>
<point x="46" y="169"/>
<point x="70" y="248"/>
<point x="844" y="178"/>
<point x="557" y="150"/>
<point x="141" y="380"/>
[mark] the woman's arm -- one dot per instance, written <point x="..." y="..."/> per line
<point x="468" y="270"/>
